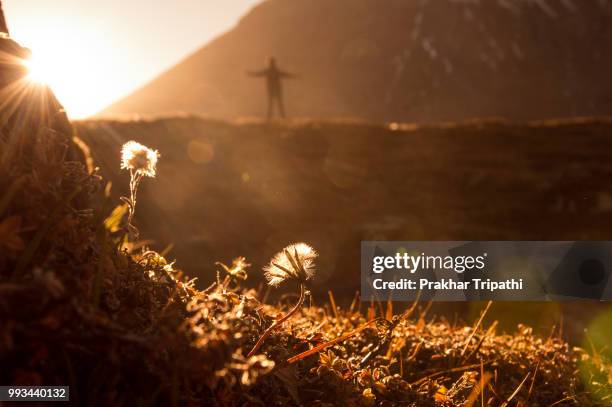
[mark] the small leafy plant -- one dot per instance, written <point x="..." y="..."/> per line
<point x="237" y="271"/>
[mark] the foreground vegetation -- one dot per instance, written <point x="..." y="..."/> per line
<point x="83" y="306"/>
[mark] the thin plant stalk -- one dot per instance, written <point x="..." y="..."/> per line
<point x="279" y="321"/>
<point x="141" y="161"/>
<point x="135" y="178"/>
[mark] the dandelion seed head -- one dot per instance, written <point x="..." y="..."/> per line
<point x="139" y="158"/>
<point x="296" y="261"/>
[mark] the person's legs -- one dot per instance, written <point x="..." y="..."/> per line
<point x="270" y="106"/>
<point x="281" y="105"/>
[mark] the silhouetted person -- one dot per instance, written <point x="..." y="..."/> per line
<point x="274" y="77"/>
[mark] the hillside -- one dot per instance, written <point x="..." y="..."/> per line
<point x="227" y="189"/>
<point x="401" y="60"/>
<point x="77" y="309"/>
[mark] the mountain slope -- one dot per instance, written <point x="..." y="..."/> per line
<point x="401" y="60"/>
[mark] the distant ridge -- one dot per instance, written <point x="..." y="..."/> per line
<point x="401" y="60"/>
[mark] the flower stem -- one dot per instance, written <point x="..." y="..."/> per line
<point x="135" y="178"/>
<point x="279" y="321"/>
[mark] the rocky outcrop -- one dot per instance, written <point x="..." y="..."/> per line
<point x="27" y="109"/>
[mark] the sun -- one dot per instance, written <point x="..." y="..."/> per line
<point x="62" y="70"/>
<point x="37" y="71"/>
<point x="78" y="63"/>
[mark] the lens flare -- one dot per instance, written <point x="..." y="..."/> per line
<point x="36" y="70"/>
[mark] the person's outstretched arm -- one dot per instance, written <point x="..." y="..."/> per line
<point x="257" y="73"/>
<point x="289" y="75"/>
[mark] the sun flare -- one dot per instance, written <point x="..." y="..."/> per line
<point x="80" y="69"/>
<point x="70" y="77"/>
<point x="36" y="70"/>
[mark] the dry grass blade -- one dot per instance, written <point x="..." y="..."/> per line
<point x="469" y="339"/>
<point x="482" y="339"/>
<point x="415" y="352"/>
<point x="556" y="403"/>
<point x="513" y="395"/>
<point x="326" y="345"/>
<point x="535" y="373"/>
<point x="371" y="310"/>
<point x="478" y="390"/>
<point x="355" y="303"/>
<point x="447" y="371"/>
<point x="380" y="308"/>
<point x="408" y="313"/>
<point x="332" y="303"/>
<point x="389" y="313"/>
<point x="482" y="384"/>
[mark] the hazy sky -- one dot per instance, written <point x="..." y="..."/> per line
<point x="92" y="52"/>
